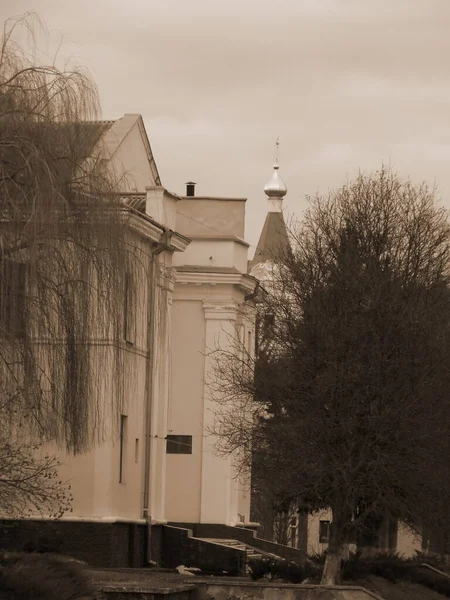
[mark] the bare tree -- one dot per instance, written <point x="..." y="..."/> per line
<point x="29" y="482"/>
<point x="351" y="412"/>
<point x="64" y="252"/>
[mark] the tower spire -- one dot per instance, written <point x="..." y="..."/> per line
<point x="274" y="236"/>
<point x="276" y="188"/>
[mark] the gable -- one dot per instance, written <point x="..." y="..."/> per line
<point x="128" y="153"/>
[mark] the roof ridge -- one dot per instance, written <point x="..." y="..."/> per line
<point x="101" y="121"/>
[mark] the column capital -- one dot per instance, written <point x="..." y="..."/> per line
<point x="220" y="310"/>
<point x="167" y="275"/>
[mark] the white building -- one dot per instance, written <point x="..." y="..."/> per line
<point x="157" y="462"/>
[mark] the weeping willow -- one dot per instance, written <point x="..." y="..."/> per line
<point x="64" y="253"/>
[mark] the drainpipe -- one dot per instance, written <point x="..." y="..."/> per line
<point x="163" y="245"/>
<point x="254" y="293"/>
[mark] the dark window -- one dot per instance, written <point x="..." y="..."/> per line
<point x="129" y="309"/>
<point x="122" y="442"/>
<point x="179" y="444"/>
<point x="324" y="532"/>
<point x="136" y="450"/>
<point x="12" y="298"/>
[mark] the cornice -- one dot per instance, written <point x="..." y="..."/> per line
<point x="153" y="231"/>
<point x="221" y="310"/>
<point x="220" y="238"/>
<point x="179" y="242"/>
<point x="241" y="280"/>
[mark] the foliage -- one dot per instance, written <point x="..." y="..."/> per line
<point x="42" y="577"/>
<point x="349" y="407"/>
<point x="29" y="481"/>
<point x="63" y="249"/>
<point x="274" y="568"/>
<point x="394" y="569"/>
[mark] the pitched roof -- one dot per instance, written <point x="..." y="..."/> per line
<point x="273" y="240"/>
<point x="92" y="132"/>
<point x="112" y="133"/>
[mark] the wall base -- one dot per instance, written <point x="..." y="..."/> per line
<point x="98" y="544"/>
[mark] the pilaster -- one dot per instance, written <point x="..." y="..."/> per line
<point x="218" y="502"/>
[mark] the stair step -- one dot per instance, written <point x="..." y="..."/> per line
<point x="251" y="552"/>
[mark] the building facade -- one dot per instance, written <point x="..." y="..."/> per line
<point x="183" y="298"/>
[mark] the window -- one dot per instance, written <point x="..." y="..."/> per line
<point x="136" y="450"/>
<point x="324" y="532"/>
<point x="122" y="447"/>
<point x="12" y="298"/>
<point x="179" y="444"/>
<point x="250" y="344"/>
<point x="129" y="333"/>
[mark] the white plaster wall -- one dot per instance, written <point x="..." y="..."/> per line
<point x="161" y="385"/>
<point x="219" y="491"/>
<point x="214" y="252"/>
<point x="130" y="160"/>
<point x="408" y="542"/>
<point x="202" y="486"/>
<point x="94" y="475"/>
<point x="186" y="410"/>
<point x="161" y="206"/>
<point x="211" y="216"/>
<point x="313" y="546"/>
<point x="240" y="258"/>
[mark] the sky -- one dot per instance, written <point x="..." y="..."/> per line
<point x="345" y="84"/>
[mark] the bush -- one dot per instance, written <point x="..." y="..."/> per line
<point x="273" y="568"/>
<point x="259" y="567"/>
<point x="394" y="568"/>
<point x="391" y="567"/>
<point x="42" y="577"/>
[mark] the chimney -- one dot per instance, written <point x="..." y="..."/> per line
<point x="190" y="188"/>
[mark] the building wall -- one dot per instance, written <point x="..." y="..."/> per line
<point x="219" y="500"/>
<point x="407" y="541"/>
<point x="203" y="486"/>
<point x="209" y="252"/>
<point x="108" y="480"/>
<point x="200" y="486"/>
<point x="185" y="409"/>
<point x="99" y="544"/>
<point x="211" y="216"/>
<point x="130" y="158"/>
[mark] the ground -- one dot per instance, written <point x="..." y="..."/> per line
<point x="162" y="580"/>
<point x="398" y="591"/>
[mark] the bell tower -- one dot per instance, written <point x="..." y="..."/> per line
<point x="274" y="236"/>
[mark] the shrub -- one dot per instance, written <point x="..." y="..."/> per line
<point x="391" y="567"/>
<point x="282" y="569"/>
<point x="42" y="577"/>
<point x="394" y="568"/>
<point x="259" y="567"/>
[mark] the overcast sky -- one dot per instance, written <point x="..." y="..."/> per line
<point x="345" y="84"/>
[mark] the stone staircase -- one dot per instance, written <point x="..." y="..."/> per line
<point x="252" y="553"/>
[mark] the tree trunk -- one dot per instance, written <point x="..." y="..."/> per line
<point x="336" y="545"/>
<point x="378" y="535"/>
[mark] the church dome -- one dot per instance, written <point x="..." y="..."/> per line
<point x="265" y="271"/>
<point x="275" y="188"/>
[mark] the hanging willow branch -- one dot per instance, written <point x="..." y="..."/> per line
<point x="63" y="252"/>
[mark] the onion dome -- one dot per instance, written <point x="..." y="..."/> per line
<point x="275" y="188"/>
